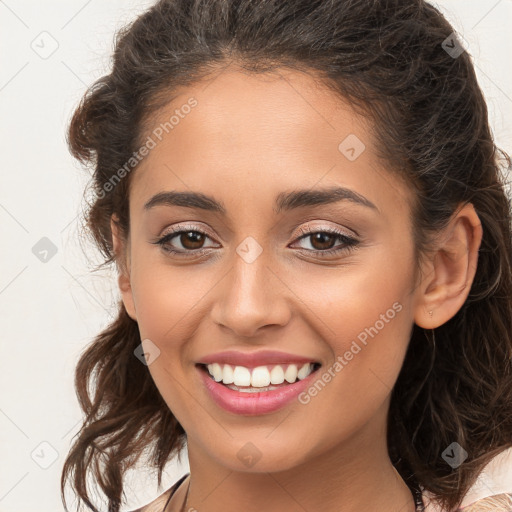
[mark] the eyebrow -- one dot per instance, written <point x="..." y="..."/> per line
<point x="285" y="201"/>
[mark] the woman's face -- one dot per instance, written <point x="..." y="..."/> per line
<point x="256" y="145"/>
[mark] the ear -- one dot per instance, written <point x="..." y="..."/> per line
<point x="450" y="270"/>
<point x="121" y="251"/>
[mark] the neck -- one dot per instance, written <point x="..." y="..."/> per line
<point x="352" y="476"/>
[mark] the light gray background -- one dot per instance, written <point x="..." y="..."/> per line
<point x="50" y="311"/>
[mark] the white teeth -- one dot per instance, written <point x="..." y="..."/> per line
<point x="304" y="371"/>
<point x="277" y="375"/>
<point x="241" y="376"/>
<point x="227" y="375"/>
<point x="290" y="375"/>
<point x="251" y="390"/>
<point x="216" y="371"/>
<point x="259" y="377"/>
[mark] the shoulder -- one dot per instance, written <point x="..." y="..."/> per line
<point x="496" y="503"/>
<point x="494" y="481"/>
<point x="158" y="504"/>
<point x="492" y="490"/>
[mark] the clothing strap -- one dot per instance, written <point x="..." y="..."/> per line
<point x="418" y="499"/>
<point x="173" y="490"/>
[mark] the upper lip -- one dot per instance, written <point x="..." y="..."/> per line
<point x="253" y="359"/>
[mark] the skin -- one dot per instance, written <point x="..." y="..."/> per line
<point x="249" y="139"/>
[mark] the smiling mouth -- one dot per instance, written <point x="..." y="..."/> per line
<point x="265" y="378"/>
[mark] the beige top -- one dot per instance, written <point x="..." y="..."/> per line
<point x="161" y="502"/>
<point x="492" y="490"/>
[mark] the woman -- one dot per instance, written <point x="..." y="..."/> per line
<point x="305" y="206"/>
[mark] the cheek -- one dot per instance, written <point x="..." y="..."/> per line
<point x="365" y="318"/>
<point x="367" y="335"/>
<point x="168" y="299"/>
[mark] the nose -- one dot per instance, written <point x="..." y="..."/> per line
<point x="251" y="297"/>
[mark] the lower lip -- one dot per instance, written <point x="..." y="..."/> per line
<point x="252" y="404"/>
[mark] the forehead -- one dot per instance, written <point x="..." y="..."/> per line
<point x="248" y="132"/>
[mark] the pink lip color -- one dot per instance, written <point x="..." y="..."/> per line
<point x="253" y="359"/>
<point x="253" y="403"/>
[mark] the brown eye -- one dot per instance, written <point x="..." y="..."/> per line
<point x="322" y="241"/>
<point x="184" y="242"/>
<point x="192" y="239"/>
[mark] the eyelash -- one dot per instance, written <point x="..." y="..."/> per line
<point x="349" y="243"/>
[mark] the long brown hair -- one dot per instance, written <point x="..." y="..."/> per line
<point x="388" y="59"/>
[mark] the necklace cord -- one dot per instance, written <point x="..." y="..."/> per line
<point x="418" y="498"/>
<point x="185" y="502"/>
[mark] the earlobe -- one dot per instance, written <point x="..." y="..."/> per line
<point x="451" y="271"/>
<point x="119" y="246"/>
